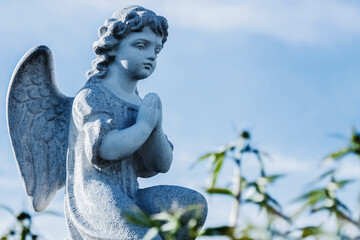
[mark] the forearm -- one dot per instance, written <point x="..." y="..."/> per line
<point x="157" y="152"/>
<point x="119" y="144"/>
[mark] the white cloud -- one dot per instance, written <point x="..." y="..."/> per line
<point x="309" y="21"/>
<point x="304" y="22"/>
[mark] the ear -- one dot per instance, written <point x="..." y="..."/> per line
<point x="113" y="51"/>
<point x="102" y="31"/>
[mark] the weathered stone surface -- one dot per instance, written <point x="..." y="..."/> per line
<point x="98" y="143"/>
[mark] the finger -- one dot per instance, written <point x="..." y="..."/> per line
<point x="154" y="99"/>
<point x="147" y="101"/>
<point x="159" y="104"/>
<point x="151" y="95"/>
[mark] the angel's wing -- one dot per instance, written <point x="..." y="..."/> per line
<point x="38" y="121"/>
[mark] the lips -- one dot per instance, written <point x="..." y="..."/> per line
<point x="148" y="65"/>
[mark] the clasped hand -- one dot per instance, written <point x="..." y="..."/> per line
<point x="150" y="111"/>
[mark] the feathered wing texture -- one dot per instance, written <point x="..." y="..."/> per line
<point x="38" y="121"/>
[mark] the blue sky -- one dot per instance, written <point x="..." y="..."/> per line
<point x="286" y="70"/>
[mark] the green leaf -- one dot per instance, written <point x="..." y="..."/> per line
<point x="313" y="196"/>
<point x="202" y="158"/>
<point x="343" y="216"/>
<point x="206" y="156"/>
<point x="339" y="205"/>
<point x="273" y="178"/>
<point x="220" y="191"/>
<point x="243" y="238"/>
<point x="319" y="209"/>
<point x="343" y="183"/>
<point x="310" y="231"/>
<point x="270" y="209"/>
<point x="23" y="215"/>
<point x="263" y="181"/>
<point x="339" y="154"/>
<point x="219" y="159"/>
<point x="355" y="137"/>
<point x="270" y="199"/>
<point x="219" y="231"/>
<point x="322" y="176"/>
<point x="25" y="232"/>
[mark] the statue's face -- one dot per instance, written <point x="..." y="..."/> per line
<point x="137" y="53"/>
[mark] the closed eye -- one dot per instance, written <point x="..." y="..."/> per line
<point x="140" y="46"/>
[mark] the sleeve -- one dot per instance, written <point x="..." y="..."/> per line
<point x="93" y="120"/>
<point x="141" y="170"/>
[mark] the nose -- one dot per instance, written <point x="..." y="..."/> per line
<point x="151" y="55"/>
<point x="152" y="58"/>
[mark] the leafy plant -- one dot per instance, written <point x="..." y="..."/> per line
<point x="257" y="191"/>
<point x="321" y="196"/>
<point x="168" y="223"/>
<point x="326" y="198"/>
<point x="22" y="227"/>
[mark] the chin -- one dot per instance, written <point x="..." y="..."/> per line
<point x="144" y="75"/>
<point x="141" y="77"/>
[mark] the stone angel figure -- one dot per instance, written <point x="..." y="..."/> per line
<point x="98" y="143"/>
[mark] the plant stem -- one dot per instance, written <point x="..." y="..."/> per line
<point x="234" y="214"/>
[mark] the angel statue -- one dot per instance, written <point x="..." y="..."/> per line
<point x="98" y="143"/>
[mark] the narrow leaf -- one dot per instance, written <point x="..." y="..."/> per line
<point x="205" y="156"/>
<point x="322" y="176"/>
<point x="218" y="231"/>
<point x="339" y="154"/>
<point x="220" y="191"/>
<point x="343" y="183"/>
<point x="219" y="159"/>
<point x="23" y="215"/>
<point x="310" y="231"/>
<point x="202" y="158"/>
<point x="273" y="178"/>
<point x="313" y="196"/>
<point x="339" y="204"/>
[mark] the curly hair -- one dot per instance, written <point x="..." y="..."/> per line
<point x="121" y="23"/>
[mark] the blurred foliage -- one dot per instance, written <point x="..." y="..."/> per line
<point x="243" y="190"/>
<point x="326" y="198"/>
<point x="168" y="223"/>
<point x="321" y="195"/>
<point x="353" y="147"/>
<point x="22" y="227"/>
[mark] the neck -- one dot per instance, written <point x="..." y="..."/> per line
<point x="121" y="85"/>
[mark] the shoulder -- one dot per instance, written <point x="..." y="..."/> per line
<point x="90" y="94"/>
<point x="90" y="99"/>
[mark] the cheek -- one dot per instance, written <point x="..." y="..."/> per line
<point x="154" y="66"/>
